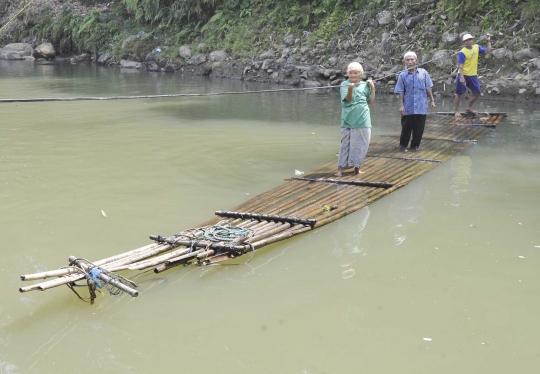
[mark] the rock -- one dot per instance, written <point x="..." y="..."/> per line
<point x="185" y="51"/>
<point x="320" y="46"/>
<point x="493" y="90"/>
<point x="374" y="23"/>
<point x="155" y="56"/>
<point x="536" y="62"/>
<point x="104" y="58"/>
<point x="391" y="82"/>
<point x="291" y="60"/>
<point x="386" y="43"/>
<point x="413" y="21"/>
<point x="501" y="53"/>
<point x="431" y="34"/>
<point x="268" y="54"/>
<point x="442" y="59"/>
<point x="127" y="64"/>
<point x="247" y="69"/>
<point x="274" y="75"/>
<point x="206" y="70"/>
<point x="285" y="53"/>
<point x="289" y="39"/>
<point x="45" y="50"/>
<point x="304" y="50"/>
<point x="526" y="54"/>
<point x="266" y="64"/>
<point x="16" y="51"/>
<point x="197" y="59"/>
<point x="449" y="38"/>
<point x="384" y="17"/>
<point x="152" y="66"/>
<point x="522" y="91"/>
<point x="83" y="57"/>
<point x="311" y="84"/>
<point x="202" y="47"/>
<point x="332" y="61"/>
<point x="538" y="92"/>
<point x="217" y="56"/>
<point x="336" y="82"/>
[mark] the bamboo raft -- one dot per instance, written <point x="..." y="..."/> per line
<point x="298" y="205"/>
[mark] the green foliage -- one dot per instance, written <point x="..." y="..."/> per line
<point x="490" y="13"/>
<point x="70" y="31"/>
<point x="154" y="12"/>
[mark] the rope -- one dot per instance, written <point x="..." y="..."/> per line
<point x="215" y="233"/>
<point x="82" y="98"/>
<point x="93" y="279"/>
<point x="12" y="18"/>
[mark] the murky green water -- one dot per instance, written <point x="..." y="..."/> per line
<point x="452" y="257"/>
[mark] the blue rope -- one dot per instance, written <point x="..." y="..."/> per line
<point x="94" y="274"/>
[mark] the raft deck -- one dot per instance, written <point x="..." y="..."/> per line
<point x="300" y="204"/>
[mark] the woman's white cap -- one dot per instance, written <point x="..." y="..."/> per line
<point x="355" y="66"/>
<point x="467" y="36"/>
<point x="410" y="53"/>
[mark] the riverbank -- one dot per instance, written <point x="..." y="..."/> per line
<point x="310" y="54"/>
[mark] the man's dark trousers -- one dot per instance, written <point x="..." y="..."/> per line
<point x="412" y="123"/>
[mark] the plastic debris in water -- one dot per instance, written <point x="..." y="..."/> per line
<point x="298" y="172"/>
<point x="103" y="213"/>
<point x="348" y="273"/>
<point x="428" y="339"/>
<point x="312" y="133"/>
<point x="521" y="256"/>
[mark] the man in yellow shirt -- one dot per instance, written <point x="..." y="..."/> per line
<point x="468" y="72"/>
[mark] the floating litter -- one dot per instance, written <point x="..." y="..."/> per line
<point x="521" y="256"/>
<point x="298" y="172"/>
<point x="103" y="213"/>
<point x="348" y="273"/>
<point x="428" y="339"/>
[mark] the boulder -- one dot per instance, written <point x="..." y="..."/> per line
<point x="185" y="51"/>
<point x="155" y="56"/>
<point x="386" y="43"/>
<point x="45" y="50"/>
<point x="501" y="53"/>
<point x="410" y="22"/>
<point x="522" y="91"/>
<point x="332" y="61"/>
<point x="431" y="34"/>
<point x="202" y="47"/>
<point x="197" y="59"/>
<point x="268" y="54"/>
<point x="526" y="54"/>
<point x="16" y="51"/>
<point x="170" y="68"/>
<point x="152" y="66"/>
<point x="311" y="84"/>
<point x="266" y="64"/>
<point x="127" y="64"/>
<point x="384" y="17"/>
<point x="442" y="59"/>
<point x="217" y="56"/>
<point x="104" y="58"/>
<point x="289" y="39"/>
<point x="449" y="38"/>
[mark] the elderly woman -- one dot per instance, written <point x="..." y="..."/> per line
<point x="356" y="95"/>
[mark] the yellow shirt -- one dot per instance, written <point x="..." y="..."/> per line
<point x="470" y="67"/>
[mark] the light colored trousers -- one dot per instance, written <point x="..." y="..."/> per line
<point x="354" y="147"/>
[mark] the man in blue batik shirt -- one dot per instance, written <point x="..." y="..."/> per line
<point x="414" y="87"/>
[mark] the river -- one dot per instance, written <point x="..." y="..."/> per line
<point x="440" y="276"/>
